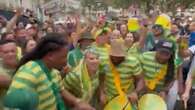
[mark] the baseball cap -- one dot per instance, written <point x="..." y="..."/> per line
<point x="165" y="46"/>
<point x="86" y="35"/>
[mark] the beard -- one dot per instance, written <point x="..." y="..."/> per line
<point x="116" y="60"/>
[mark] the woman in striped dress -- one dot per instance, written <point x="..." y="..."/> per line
<point x="83" y="81"/>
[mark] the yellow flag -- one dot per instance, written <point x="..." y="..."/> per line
<point x="133" y="24"/>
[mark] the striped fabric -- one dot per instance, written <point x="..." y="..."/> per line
<point x="103" y="52"/>
<point x="30" y="76"/>
<point x="19" y="53"/>
<point x="78" y="82"/>
<point x="134" y="50"/>
<point x="128" y="68"/>
<point x="151" y="67"/>
<point x="5" y="72"/>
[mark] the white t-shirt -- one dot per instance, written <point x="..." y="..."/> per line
<point x="192" y="49"/>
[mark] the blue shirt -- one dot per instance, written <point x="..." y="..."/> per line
<point x="192" y="39"/>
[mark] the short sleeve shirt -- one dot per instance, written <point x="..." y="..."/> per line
<point x="30" y="76"/>
<point x="127" y="69"/>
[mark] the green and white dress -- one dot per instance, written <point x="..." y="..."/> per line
<point x="80" y="84"/>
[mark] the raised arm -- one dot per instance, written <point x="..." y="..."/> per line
<point x="13" y="21"/>
<point x="143" y="34"/>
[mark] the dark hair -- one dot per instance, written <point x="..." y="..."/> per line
<point x="158" y="27"/>
<point x="4" y="35"/>
<point x="136" y="36"/>
<point x="174" y="24"/>
<point x="25" y="45"/>
<point x="2" y="42"/>
<point x="170" y="70"/>
<point x="50" y="42"/>
<point x="171" y="64"/>
<point x="51" y="28"/>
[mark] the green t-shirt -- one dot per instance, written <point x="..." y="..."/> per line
<point x="80" y="84"/>
<point x="30" y="76"/>
<point x="129" y="68"/>
<point x="151" y="67"/>
<point x="134" y="50"/>
<point x="103" y="52"/>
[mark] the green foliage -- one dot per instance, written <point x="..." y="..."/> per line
<point x="122" y="3"/>
<point x="88" y="2"/>
<point x="165" y="5"/>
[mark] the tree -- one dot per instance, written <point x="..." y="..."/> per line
<point x="86" y="3"/>
<point x="164" y="5"/>
<point x="122" y="3"/>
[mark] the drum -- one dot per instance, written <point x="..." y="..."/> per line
<point x="117" y="104"/>
<point x="151" y="102"/>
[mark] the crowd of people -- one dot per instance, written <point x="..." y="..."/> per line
<point x="133" y="64"/>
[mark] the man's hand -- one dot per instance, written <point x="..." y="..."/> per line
<point x="185" y="96"/>
<point x="133" y="97"/>
<point x="65" y="71"/>
<point x="5" y="81"/>
<point x="163" y="94"/>
<point x="102" y="99"/>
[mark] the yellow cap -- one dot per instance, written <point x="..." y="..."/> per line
<point x="164" y="20"/>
